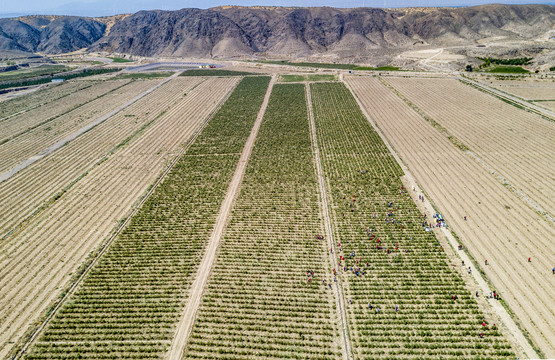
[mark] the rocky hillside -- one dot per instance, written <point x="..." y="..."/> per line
<point x="275" y="31"/>
<point x="49" y="34"/>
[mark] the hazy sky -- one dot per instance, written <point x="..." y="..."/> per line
<point x="110" y="7"/>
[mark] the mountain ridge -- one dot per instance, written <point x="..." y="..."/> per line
<point x="286" y="32"/>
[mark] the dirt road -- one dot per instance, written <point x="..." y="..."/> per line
<point x="197" y="288"/>
<point x="340" y="298"/>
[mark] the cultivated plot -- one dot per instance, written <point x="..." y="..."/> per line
<point x="38" y="260"/>
<point x="269" y="294"/>
<point x="405" y="300"/>
<point x="500" y="227"/>
<point x="518" y="146"/>
<point x="31" y="142"/>
<point x="129" y="303"/>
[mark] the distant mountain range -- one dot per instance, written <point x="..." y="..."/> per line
<point x="274" y="31"/>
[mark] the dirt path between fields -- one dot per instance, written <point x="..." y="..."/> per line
<point x="512" y="329"/>
<point x="45" y="152"/>
<point x="188" y="315"/>
<point x="340" y="298"/>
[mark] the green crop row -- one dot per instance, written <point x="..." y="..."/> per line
<point x="399" y="289"/>
<point x="128" y="304"/>
<point x="259" y="302"/>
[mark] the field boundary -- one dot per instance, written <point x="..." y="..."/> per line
<point x="515" y="332"/>
<point x="204" y="271"/>
<point x="95" y="256"/>
<point x="324" y="208"/>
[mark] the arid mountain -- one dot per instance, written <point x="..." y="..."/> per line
<point x="49" y="34"/>
<point x="273" y="31"/>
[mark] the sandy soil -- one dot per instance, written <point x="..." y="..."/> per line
<point x="500" y="227"/>
<point x="530" y="92"/>
<point x="547" y="104"/>
<point x="37" y="261"/>
<point x="197" y="287"/>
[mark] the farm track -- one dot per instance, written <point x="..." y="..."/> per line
<point x="42" y="181"/>
<point x="516" y="144"/>
<point x="35" y="142"/>
<point x="205" y="268"/>
<point x="18" y="125"/>
<point x="259" y="302"/>
<point x="57" y="240"/>
<point x="155" y="256"/>
<point x="340" y="298"/>
<point x="460" y="186"/>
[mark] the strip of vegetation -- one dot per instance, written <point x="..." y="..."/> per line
<point x="308" y="77"/>
<point x="147" y="75"/>
<point x="33" y="72"/>
<point x="515" y="61"/>
<point x="84" y="73"/>
<point x="215" y="72"/>
<point x="131" y="299"/>
<point x="259" y="302"/>
<point x="507" y="69"/>
<point x="313" y="65"/>
<point x="120" y="60"/>
<point x="379" y="68"/>
<point x="405" y="298"/>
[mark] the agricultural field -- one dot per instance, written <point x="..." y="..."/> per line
<point x="260" y="302"/>
<point x="528" y="90"/>
<point x="32" y="72"/>
<point x="495" y="132"/>
<point x="53" y="243"/>
<point x="30" y="134"/>
<point x="546" y="104"/>
<point x="43" y="182"/>
<point x="219" y="214"/>
<point x="500" y="227"/>
<point x="307" y="77"/>
<point x="16" y="125"/>
<point x="41" y="97"/>
<point x="405" y="300"/>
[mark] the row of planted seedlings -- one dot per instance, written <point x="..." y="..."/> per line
<point x="130" y="302"/>
<point x="404" y="299"/>
<point x="269" y="294"/>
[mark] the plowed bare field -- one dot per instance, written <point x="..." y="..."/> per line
<point x="517" y="145"/>
<point x="501" y="227"/>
